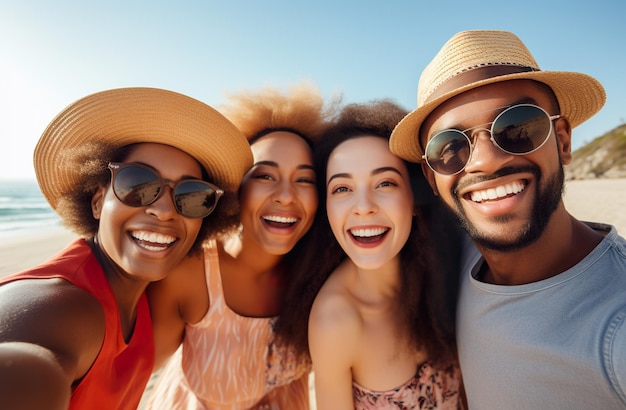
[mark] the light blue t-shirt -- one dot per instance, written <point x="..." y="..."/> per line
<point x="559" y="343"/>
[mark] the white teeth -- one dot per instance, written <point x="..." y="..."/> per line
<point x="153" y="237"/>
<point x="152" y="247"/>
<point x="366" y="233"/>
<point x="498" y="192"/>
<point x="281" y="219"/>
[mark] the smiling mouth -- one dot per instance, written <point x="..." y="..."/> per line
<point x="498" y="192"/>
<point x="153" y="241"/>
<point x="280" y="221"/>
<point x="368" y="235"/>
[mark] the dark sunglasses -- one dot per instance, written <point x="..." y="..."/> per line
<point x="518" y="130"/>
<point x="139" y="185"/>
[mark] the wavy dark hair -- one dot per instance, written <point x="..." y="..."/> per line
<point x="74" y="206"/>
<point x="429" y="260"/>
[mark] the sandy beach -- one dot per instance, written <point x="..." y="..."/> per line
<point x="598" y="200"/>
<point x="602" y="200"/>
<point x="29" y="249"/>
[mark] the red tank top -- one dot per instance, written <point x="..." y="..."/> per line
<point x="121" y="371"/>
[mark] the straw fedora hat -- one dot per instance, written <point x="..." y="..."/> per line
<point x="474" y="58"/>
<point x="132" y="115"/>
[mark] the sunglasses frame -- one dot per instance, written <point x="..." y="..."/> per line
<point x="116" y="167"/>
<point x="491" y="137"/>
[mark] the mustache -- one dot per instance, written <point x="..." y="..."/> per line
<point x="470" y="179"/>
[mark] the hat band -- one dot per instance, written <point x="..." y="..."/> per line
<point x="475" y="75"/>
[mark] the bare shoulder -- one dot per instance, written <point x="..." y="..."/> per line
<point x="183" y="289"/>
<point x="334" y="334"/>
<point x="47" y="308"/>
<point x="334" y="313"/>
<point x="55" y="315"/>
<point x="179" y="298"/>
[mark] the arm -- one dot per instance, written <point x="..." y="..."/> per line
<point x="333" y="339"/>
<point x="50" y="335"/>
<point x="28" y="367"/>
<point x="180" y="298"/>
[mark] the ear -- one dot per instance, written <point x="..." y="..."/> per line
<point x="97" y="201"/>
<point x="563" y="132"/>
<point x="430" y="177"/>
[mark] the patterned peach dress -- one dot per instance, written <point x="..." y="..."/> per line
<point x="228" y="361"/>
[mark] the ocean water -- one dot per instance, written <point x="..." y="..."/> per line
<point x="23" y="208"/>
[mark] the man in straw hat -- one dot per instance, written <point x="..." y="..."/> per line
<point x="143" y="175"/>
<point x="542" y="310"/>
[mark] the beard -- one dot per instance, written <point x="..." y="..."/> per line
<point x="548" y="198"/>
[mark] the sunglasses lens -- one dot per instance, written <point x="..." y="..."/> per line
<point x="139" y="186"/>
<point x="521" y="129"/>
<point x="136" y="186"/>
<point x="195" y="199"/>
<point x="448" y="152"/>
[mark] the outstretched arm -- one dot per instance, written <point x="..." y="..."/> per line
<point x="31" y="377"/>
<point x="50" y="335"/>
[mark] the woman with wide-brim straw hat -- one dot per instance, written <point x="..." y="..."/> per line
<point x="143" y="175"/>
<point x="223" y="306"/>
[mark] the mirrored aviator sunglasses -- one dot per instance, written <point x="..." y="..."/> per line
<point x="138" y="185"/>
<point x="518" y="130"/>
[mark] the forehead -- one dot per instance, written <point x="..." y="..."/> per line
<point x="278" y="145"/>
<point x="165" y="159"/>
<point x="482" y="104"/>
<point x="363" y="153"/>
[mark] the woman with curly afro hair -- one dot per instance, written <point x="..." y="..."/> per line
<point x="223" y="305"/>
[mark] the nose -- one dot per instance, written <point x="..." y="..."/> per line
<point x="485" y="157"/>
<point x="163" y="208"/>
<point x="284" y="193"/>
<point x="363" y="203"/>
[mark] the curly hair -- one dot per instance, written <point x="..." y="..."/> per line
<point x="423" y="305"/>
<point x="74" y="206"/>
<point x="300" y="110"/>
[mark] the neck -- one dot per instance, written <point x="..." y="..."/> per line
<point x="126" y="291"/>
<point x="255" y="259"/>
<point x="563" y="244"/>
<point x="253" y="281"/>
<point x="376" y="284"/>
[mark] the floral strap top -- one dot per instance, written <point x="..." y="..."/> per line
<point x="428" y="389"/>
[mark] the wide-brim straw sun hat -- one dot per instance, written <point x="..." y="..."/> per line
<point x="475" y="58"/>
<point x="126" y="116"/>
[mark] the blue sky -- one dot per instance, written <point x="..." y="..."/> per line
<point x="53" y="53"/>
